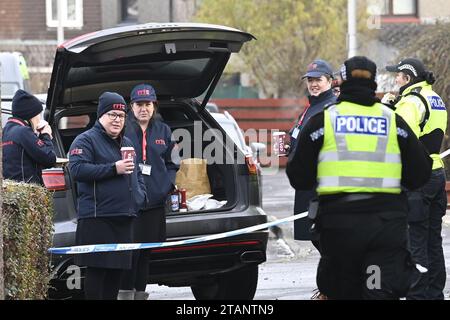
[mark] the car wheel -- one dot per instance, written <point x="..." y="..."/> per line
<point x="237" y="285"/>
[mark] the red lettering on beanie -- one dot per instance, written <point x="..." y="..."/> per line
<point x="118" y="106"/>
<point x="40" y="143"/>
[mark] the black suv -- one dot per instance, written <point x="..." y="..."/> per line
<point x="184" y="63"/>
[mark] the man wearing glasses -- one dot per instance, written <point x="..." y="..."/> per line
<point x="111" y="191"/>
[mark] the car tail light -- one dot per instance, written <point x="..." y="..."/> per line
<point x="252" y="167"/>
<point x="54" y="179"/>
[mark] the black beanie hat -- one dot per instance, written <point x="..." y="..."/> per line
<point x="359" y="68"/>
<point x="110" y="101"/>
<point x="25" y="106"/>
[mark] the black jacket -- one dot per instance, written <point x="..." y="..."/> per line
<point x="316" y="105"/>
<point x="159" y="147"/>
<point x="24" y="153"/>
<point x="101" y="191"/>
<point x="303" y="197"/>
<point x="302" y="165"/>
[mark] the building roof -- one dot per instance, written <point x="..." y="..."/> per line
<point x="398" y="35"/>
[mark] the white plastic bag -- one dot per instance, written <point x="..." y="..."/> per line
<point x="203" y="201"/>
<point x="197" y="202"/>
<point x="214" y="204"/>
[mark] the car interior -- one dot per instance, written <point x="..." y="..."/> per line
<point x="74" y="121"/>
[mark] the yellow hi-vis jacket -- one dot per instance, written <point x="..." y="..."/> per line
<point x="423" y="119"/>
<point x="360" y="151"/>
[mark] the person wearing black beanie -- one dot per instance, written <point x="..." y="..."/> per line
<point x="25" y="106"/>
<point x="358" y="155"/>
<point x="111" y="191"/>
<point x="426" y="114"/>
<point x="27" y="146"/>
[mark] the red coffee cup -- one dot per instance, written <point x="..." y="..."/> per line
<point x="278" y="143"/>
<point x="128" y="153"/>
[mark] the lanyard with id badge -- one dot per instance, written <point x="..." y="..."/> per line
<point x="296" y="130"/>
<point x="146" y="169"/>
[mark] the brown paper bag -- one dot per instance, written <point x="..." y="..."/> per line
<point x="193" y="177"/>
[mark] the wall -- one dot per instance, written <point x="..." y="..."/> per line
<point x="26" y="20"/>
<point x="154" y="11"/>
<point x="11" y="19"/>
<point x="110" y="13"/>
<point x="159" y="10"/>
<point x="24" y="29"/>
<point x="432" y="9"/>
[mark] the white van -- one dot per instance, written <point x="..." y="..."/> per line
<point x="13" y="73"/>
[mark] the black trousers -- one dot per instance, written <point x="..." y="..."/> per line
<point x="364" y="256"/>
<point x="427" y="206"/>
<point x="303" y="227"/>
<point x="102" y="283"/>
<point x="149" y="226"/>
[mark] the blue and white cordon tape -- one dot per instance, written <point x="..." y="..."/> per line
<point x="137" y="246"/>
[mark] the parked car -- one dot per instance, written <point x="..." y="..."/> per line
<point x="212" y="107"/>
<point x="182" y="61"/>
<point x="251" y="153"/>
<point x="232" y="129"/>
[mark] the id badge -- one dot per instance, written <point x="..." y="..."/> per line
<point x="295" y="133"/>
<point x="145" y="169"/>
<point x="313" y="208"/>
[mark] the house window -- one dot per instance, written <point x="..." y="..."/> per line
<point x="71" y="12"/>
<point x="393" y="7"/>
<point x="129" y="11"/>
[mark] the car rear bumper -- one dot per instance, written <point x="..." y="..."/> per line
<point x="188" y="265"/>
<point x="182" y="265"/>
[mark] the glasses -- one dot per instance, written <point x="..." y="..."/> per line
<point x="113" y="116"/>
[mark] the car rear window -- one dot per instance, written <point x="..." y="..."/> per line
<point x="134" y="70"/>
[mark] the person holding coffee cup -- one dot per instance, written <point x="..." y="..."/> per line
<point x="153" y="141"/>
<point x="318" y="78"/>
<point x="111" y="191"/>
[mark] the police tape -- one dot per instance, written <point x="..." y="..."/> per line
<point x="139" y="246"/>
<point x="444" y="154"/>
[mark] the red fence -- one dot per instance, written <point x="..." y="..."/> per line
<point x="270" y="114"/>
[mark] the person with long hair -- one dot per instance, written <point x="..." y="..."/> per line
<point x="153" y="143"/>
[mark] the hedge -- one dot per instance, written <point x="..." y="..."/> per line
<point x="27" y="234"/>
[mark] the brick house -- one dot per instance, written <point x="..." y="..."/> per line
<point x="30" y="26"/>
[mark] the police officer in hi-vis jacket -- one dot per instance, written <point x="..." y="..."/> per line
<point x="359" y="154"/>
<point x="426" y="114"/>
